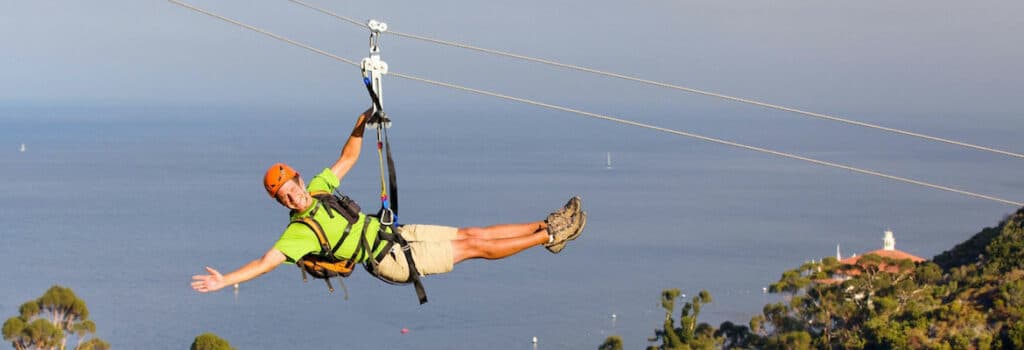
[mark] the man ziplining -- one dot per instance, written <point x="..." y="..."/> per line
<point x="333" y="228"/>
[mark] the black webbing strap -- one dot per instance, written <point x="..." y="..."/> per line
<point x="321" y="236"/>
<point x="348" y="228"/>
<point x="373" y="94"/>
<point x="365" y="247"/>
<point x="378" y="117"/>
<point x="414" y="275"/>
<point x="361" y="251"/>
<point x="392" y="179"/>
<point x="384" y="251"/>
<point x="327" y="208"/>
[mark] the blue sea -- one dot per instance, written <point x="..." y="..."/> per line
<point x="124" y="204"/>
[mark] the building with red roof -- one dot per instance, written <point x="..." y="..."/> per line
<point x="888" y="251"/>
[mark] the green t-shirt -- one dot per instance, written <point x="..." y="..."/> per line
<point x="299" y="240"/>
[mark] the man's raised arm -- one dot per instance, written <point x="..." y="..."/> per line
<point x="354" y="145"/>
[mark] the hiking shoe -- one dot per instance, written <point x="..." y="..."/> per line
<point x="561" y="219"/>
<point x="567" y="234"/>
<point x="572" y="207"/>
<point x="560" y="225"/>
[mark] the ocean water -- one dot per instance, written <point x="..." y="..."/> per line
<point x="124" y="205"/>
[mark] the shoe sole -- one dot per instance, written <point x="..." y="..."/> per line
<point x="569" y="207"/>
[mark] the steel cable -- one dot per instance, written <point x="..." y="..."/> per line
<point x="610" y="118"/>
<point x="666" y="85"/>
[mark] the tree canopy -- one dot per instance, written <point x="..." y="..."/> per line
<point x="210" y="341"/>
<point x="971" y="297"/>
<point x="48" y="321"/>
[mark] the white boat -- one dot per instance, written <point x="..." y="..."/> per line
<point x="22" y="149"/>
<point x="609" y="162"/>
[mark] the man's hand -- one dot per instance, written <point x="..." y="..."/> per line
<point x="208" y="283"/>
<point x="215" y="281"/>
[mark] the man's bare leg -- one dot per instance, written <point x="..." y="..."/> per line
<point x="501" y="231"/>
<point x="471" y="248"/>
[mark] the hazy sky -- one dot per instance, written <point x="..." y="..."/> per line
<point x="910" y="58"/>
<point x="948" y="68"/>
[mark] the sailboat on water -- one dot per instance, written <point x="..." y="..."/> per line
<point x="22" y="149"/>
<point x="609" y="161"/>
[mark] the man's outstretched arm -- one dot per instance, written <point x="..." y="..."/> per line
<point x="215" y="281"/>
<point x="354" y="145"/>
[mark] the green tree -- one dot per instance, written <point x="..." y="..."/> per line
<point x="689" y="334"/>
<point x="611" y="343"/>
<point x="734" y="336"/>
<point x="47" y="322"/>
<point x="1014" y="337"/>
<point x="967" y="252"/>
<point x="1006" y="251"/>
<point x="94" y="344"/>
<point x="972" y="299"/>
<point x="790" y="341"/>
<point x="791" y="283"/>
<point x="210" y="341"/>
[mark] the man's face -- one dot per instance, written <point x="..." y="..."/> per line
<point x="293" y="195"/>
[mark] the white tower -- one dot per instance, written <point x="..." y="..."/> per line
<point x="888" y="242"/>
<point x="838" y="255"/>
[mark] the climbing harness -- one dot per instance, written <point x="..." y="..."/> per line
<point x="373" y="68"/>
<point x="325" y="264"/>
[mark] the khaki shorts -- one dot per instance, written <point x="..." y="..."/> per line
<point x="431" y="249"/>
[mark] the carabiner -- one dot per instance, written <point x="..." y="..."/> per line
<point x="386" y="216"/>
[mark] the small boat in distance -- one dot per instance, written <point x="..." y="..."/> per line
<point x="609" y="161"/>
<point x="22" y="149"/>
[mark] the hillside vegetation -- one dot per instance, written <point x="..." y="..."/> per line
<point x="970" y="297"/>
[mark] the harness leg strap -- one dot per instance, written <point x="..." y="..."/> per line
<point x="414" y="273"/>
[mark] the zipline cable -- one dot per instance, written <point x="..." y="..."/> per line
<point x="706" y="138"/>
<point x="613" y="119"/>
<point x="666" y="85"/>
<point x="264" y="32"/>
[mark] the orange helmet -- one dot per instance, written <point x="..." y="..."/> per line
<point x="276" y="176"/>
